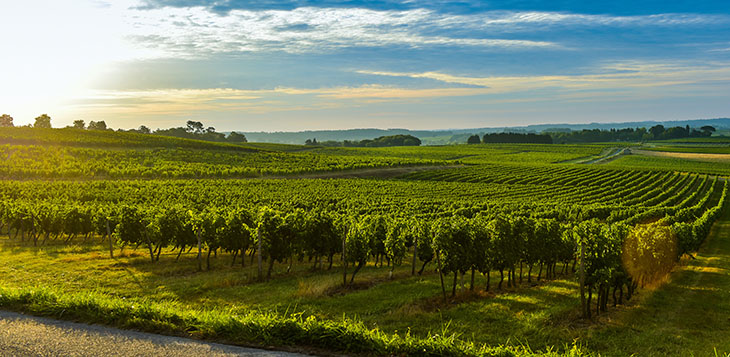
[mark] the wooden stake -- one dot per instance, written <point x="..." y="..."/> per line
<point x="582" y="280"/>
<point x="261" y="267"/>
<point x="109" y="234"/>
<point x="200" y="250"/>
<point x="441" y="275"/>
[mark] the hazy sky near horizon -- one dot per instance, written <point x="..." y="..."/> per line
<point x="282" y="65"/>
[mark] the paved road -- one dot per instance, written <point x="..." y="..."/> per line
<point x="22" y="335"/>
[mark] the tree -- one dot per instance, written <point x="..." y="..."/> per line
<point x="235" y="137"/>
<point x="474" y="139"/>
<point x="43" y="121"/>
<point x="708" y="129"/>
<point x="79" y="124"/>
<point x="6" y="121"/>
<point x="143" y="130"/>
<point x="657" y="131"/>
<point x="194" y="127"/>
<point x="97" y="125"/>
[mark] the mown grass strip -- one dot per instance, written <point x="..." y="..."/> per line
<point x="257" y="328"/>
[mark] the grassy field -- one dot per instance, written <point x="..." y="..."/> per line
<point x="404" y="303"/>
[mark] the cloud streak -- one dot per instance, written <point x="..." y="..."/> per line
<point x="615" y="76"/>
<point x="197" y="31"/>
<point x="624" y="80"/>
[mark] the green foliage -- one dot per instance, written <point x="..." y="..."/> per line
<point x="6" y="121"/>
<point x="42" y="121"/>
<point x="649" y="253"/>
<point x="395" y="241"/>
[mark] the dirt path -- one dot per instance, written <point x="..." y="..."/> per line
<point x="22" y="335"/>
<point x="605" y="156"/>
<point x="612" y="155"/>
<point x="684" y="155"/>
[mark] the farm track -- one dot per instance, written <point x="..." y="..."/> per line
<point x="22" y="335"/>
<point x="613" y="155"/>
<point x="605" y="156"/>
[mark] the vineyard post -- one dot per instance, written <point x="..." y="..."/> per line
<point x="344" y="262"/>
<point x="415" y="252"/>
<point x="258" y="238"/>
<point x="582" y="279"/>
<point x="441" y="275"/>
<point x="200" y="250"/>
<point x="109" y="234"/>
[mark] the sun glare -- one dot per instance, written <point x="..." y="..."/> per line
<point x="54" y="50"/>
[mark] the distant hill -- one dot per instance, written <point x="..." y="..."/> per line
<point x="300" y="137"/>
<point x="449" y="136"/>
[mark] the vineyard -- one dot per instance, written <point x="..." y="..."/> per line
<point x="507" y="218"/>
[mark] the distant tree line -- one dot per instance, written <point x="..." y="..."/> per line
<point x="382" y="141"/>
<point x="657" y="132"/>
<point x="501" y="138"/>
<point x="192" y="130"/>
<point x="196" y="130"/>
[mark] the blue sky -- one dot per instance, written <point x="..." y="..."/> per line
<point x="296" y="65"/>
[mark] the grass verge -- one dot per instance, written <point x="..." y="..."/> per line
<point x="252" y="329"/>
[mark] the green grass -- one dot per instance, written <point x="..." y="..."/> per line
<point x="403" y="304"/>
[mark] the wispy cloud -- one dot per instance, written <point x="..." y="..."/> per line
<point x="614" y="76"/>
<point x="197" y="31"/>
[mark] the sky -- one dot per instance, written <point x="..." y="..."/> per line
<point x="287" y="65"/>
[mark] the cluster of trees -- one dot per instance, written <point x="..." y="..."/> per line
<point x="657" y="132"/>
<point x="501" y="138"/>
<point x="382" y="141"/>
<point x="93" y="125"/>
<point x="193" y="129"/>
<point x="196" y="130"/>
<point x="41" y="121"/>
